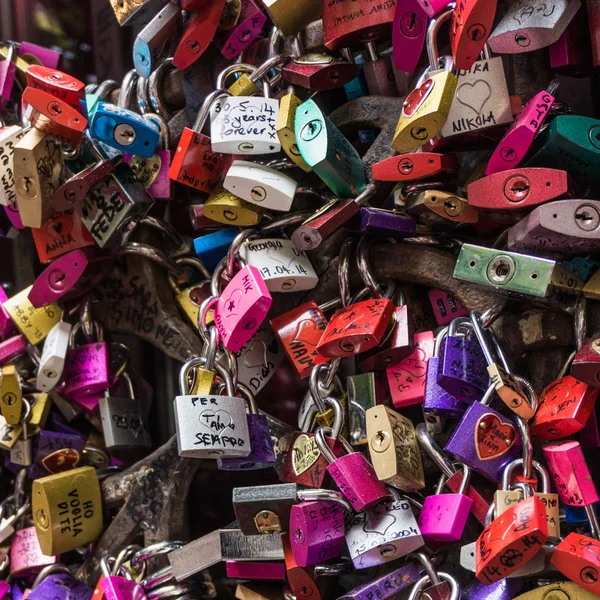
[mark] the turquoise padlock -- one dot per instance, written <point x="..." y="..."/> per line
<point x="328" y="152"/>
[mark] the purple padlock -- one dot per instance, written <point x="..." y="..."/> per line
<point x="437" y="401"/>
<point x="462" y="369"/>
<point x="12" y="347"/>
<point x="61" y="587"/>
<point x="86" y="368"/>
<point x="317" y="532"/>
<point x="234" y="41"/>
<point x="378" y="221"/>
<point x="485" y="440"/>
<point x="505" y="589"/>
<point x="49" y="58"/>
<point x="353" y="474"/>
<point x="12" y="212"/>
<point x="8" y="70"/>
<point x="239" y="569"/>
<point x="7" y="327"/>
<point x="56" y="452"/>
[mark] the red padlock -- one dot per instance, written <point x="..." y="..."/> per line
<point x="578" y="558"/>
<point x="413" y="166"/>
<point x="65" y="87"/>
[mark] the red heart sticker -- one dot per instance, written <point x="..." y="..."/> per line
<point x="493" y="437"/>
<point x="416" y="98"/>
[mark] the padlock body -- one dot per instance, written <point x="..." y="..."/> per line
<point x="262" y="455"/>
<point x="444" y="517"/>
<point x="26" y="556"/>
<point x="224" y="207"/>
<point x="504" y="499"/>
<point x="408" y="34"/>
<point x="414" y="166"/>
<point x="234" y="41"/>
<point x="576" y="557"/>
<point x="437" y="400"/>
<point x="586" y="364"/>
<point x="123" y="423"/>
<point x="61" y="587"/>
<point x="86" y="369"/>
<point x="445" y="307"/>
<point x="9" y="137"/>
<point x="51" y="81"/>
<point x="318" y="72"/>
<point x="120" y="588"/>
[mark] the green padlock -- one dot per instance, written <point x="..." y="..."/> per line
<point x="328" y="152"/>
<point x="571" y="143"/>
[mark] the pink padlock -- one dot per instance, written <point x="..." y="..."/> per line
<point x="255" y="570"/>
<point x="7" y="327"/>
<point x="116" y="587"/>
<point x="8" y="70"/>
<point x="317" y="531"/>
<point x="234" y="41"/>
<point x="26" y="556"/>
<point x="353" y="474"/>
<point x="12" y="212"/>
<point x="518" y="139"/>
<point x="12" y="347"/>
<point x="88" y="402"/>
<point x="445" y="307"/>
<point x="444" y="516"/>
<point x="589" y="436"/>
<point x="48" y="57"/>
<point x="242" y="307"/>
<point x="433" y="8"/>
<point x="4" y="589"/>
<point x="408" y="34"/>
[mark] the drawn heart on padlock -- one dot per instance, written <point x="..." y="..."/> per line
<point x="64" y="459"/>
<point x="146" y="169"/>
<point x="255" y="355"/>
<point x="59" y="227"/>
<point x="284" y="256"/>
<point x="233" y="302"/>
<point x="416" y="98"/>
<point x="376" y="523"/>
<point x="493" y="438"/>
<point x="135" y="423"/>
<point x="305" y="453"/>
<point x="467" y="93"/>
<point x="305" y="332"/>
<point x="216" y="420"/>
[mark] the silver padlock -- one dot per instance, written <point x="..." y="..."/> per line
<point x="529" y="25"/>
<point x="20" y="453"/>
<point x="210" y="426"/>
<point x="481" y="98"/>
<point x="123" y="421"/>
<point x="9" y="137"/>
<point x="283" y="267"/>
<point x="385" y="532"/>
<point x="53" y="357"/>
<point x="260" y="185"/>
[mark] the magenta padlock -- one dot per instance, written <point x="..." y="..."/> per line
<point x="86" y="368"/>
<point x="408" y="34"/>
<point x="238" y="569"/>
<point x="518" y="139"/>
<point x="353" y="474"/>
<point x="317" y="532"/>
<point x="7" y="327"/>
<point x="444" y="516"/>
<point x="234" y="41"/>
<point x="12" y="212"/>
<point x="4" y="589"/>
<point x="49" y="58"/>
<point x="485" y="440"/>
<point x="26" y="556"/>
<point x="462" y="367"/>
<point x="589" y="437"/>
<point x="242" y="307"/>
<point x="8" y="70"/>
<point x="116" y="587"/>
<point x="445" y="307"/>
<point x="12" y="347"/>
<point x="61" y="587"/>
<point x="433" y="8"/>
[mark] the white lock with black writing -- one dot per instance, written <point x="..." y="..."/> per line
<point x="481" y="98"/>
<point x="210" y="426"/>
<point x="283" y="267"/>
<point x="260" y="185"/>
<point x="244" y="125"/>
<point x="9" y="137"/>
<point x="53" y="357"/>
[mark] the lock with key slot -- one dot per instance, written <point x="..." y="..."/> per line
<point x="409" y="30"/>
<point x="56" y="83"/>
<point x="224" y="207"/>
<point x="436" y="207"/>
<point x="235" y="40"/>
<point x="472" y="22"/>
<point x="414" y="166"/>
<point x="11" y="398"/>
<point x="288" y="105"/>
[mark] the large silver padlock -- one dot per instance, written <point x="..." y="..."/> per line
<point x="385" y="532"/>
<point x="283" y="267"/>
<point x="260" y="185"/>
<point x="123" y="421"/>
<point x="53" y="357"/>
<point x="481" y="98"/>
<point x="210" y="426"/>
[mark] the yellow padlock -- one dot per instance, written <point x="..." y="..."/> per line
<point x="11" y="397"/>
<point x="224" y="207"/>
<point x="288" y="105"/>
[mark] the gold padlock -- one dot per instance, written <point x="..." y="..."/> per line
<point x="559" y="590"/>
<point x="439" y="207"/>
<point x="394" y="449"/>
<point x="190" y="299"/>
<point x="34" y="323"/>
<point x="286" y="132"/>
<point x="67" y="510"/>
<point x="11" y="397"/>
<point x="40" y="409"/>
<point x="224" y="207"/>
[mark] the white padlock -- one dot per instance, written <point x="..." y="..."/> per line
<point x="53" y="357"/>
<point x="9" y="136"/>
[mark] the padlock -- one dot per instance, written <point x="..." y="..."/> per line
<point x="262" y="455"/>
<point x="291" y="18"/>
<point x="244" y="124"/>
<point x="226" y="208"/>
<point x="571" y="52"/>
<point x="407" y="378"/>
<point x="316" y="531"/>
<point x="383" y="533"/>
<point x="8" y="71"/>
<point x="442" y="586"/>
<point x="260" y="185"/>
<point x="540" y="232"/>
<point x="26" y="556"/>
<point x="7" y="327"/>
<point x="426" y="108"/>
<point x="517" y="189"/>
<point x="124" y="130"/>
<point x="60" y="586"/>
<point x="199" y="33"/>
<point x="20" y="453"/>
<point x="67" y="510"/>
<point x="38" y="167"/>
<point x="445" y="307"/>
<point x="241" y="307"/>
<point x="156" y="39"/>
<point x="9" y="434"/>
<point x="210" y="426"/>
<point x="525" y="27"/>
<point x="299" y="331"/>
<point x="507" y="496"/>
<point x="432" y="8"/>
<point x="414" y="166"/>
<point x="558" y="589"/>
<point x="444" y="516"/>
<point x="585" y="366"/>
<point x="394" y="449"/>
<point x="564" y="408"/>
<point x="34" y="54"/>
<point x="518" y="139"/>
<point x="288" y="105"/>
<point x="130" y="12"/>
<point x="52" y="81"/>
<point x="123" y="421"/>
<point x="570" y="142"/>
<point x="194" y="163"/>
<point x="472" y="22"/>
<point x="235" y="40"/>
<point x="12" y="347"/>
<point x="301" y="580"/>
<point x="111" y="203"/>
<point x="34" y="323"/>
<point x="189" y="300"/>
<point x="485" y="440"/>
<point x="576" y="557"/>
<point x="283" y="267"/>
<point x="408" y="34"/>
<point x="481" y="99"/>
<point x="57" y="452"/>
<point x="118" y="587"/>
<point x="512" y="539"/>
<point x="53" y="116"/>
<point x="353" y="474"/>
<point x="378" y="221"/>
<point x="11" y="397"/>
<point x="9" y="137"/>
<point x="379" y="71"/>
<point x="211" y="248"/>
<point x="365" y="391"/>
<point x="436" y="208"/>
<point x="327" y="152"/>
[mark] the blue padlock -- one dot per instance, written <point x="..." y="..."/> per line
<point x="125" y="130"/>
<point x="576" y="515"/>
<point x="212" y="247"/>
